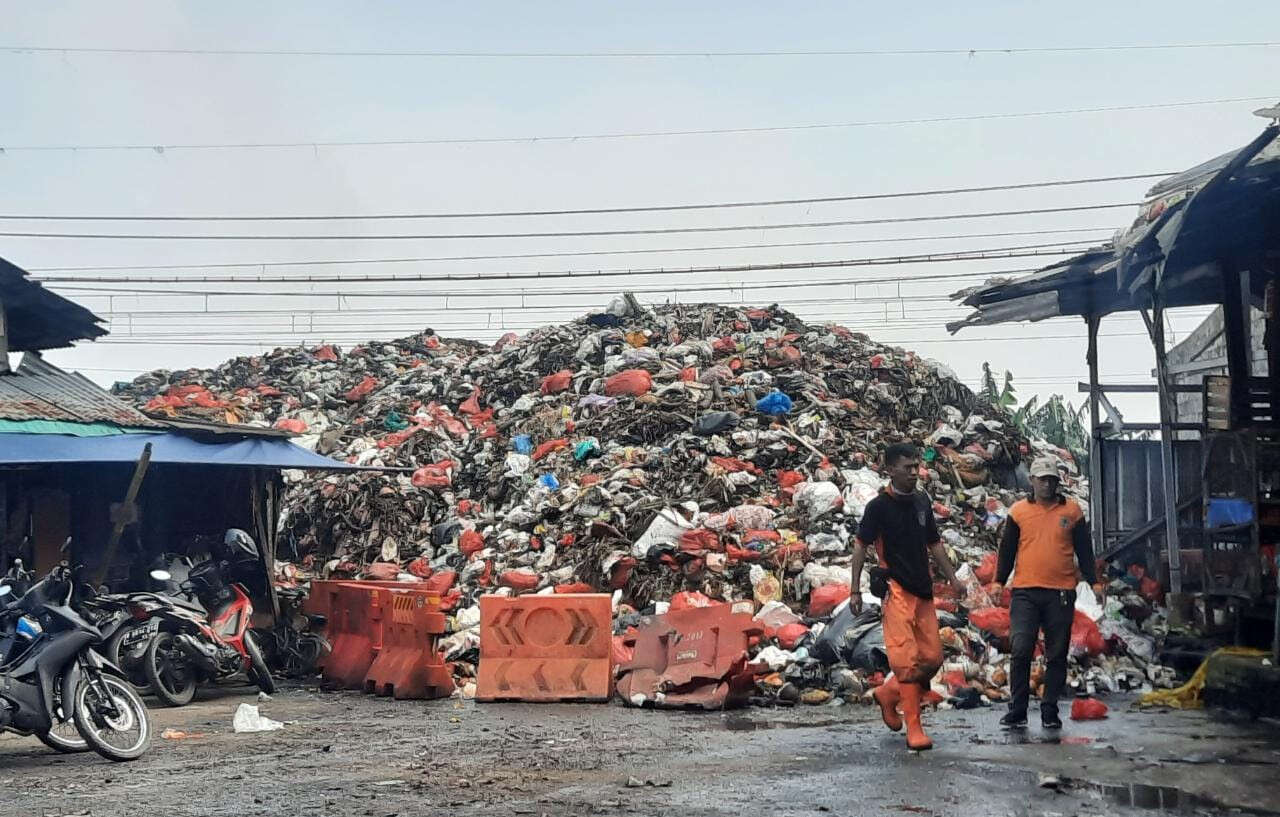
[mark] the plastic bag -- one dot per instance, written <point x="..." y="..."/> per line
<point x="519" y="579"/>
<point x="522" y="443"/>
<point x="986" y="571"/>
<point x="556" y="383"/>
<point x="992" y="620"/>
<point x="1086" y="639"/>
<point x="690" y="599"/>
<point x="823" y="600"/>
<point x="856" y="640"/>
<point x="1088" y="709"/>
<point x="633" y="382"/>
<point x="249" y="719"/>
<point x="715" y="422"/>
<point x="775" y="403"/>
<point x="549" y="447"/>
<point x="818" y="498"/>
<point x="790" y="635"/>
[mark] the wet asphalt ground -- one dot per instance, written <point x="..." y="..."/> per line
<point x="349" y="754"/>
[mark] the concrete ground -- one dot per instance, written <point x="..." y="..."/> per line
<point x="348" y="754"/>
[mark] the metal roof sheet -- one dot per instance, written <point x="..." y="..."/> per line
<point x="38" y="390"/>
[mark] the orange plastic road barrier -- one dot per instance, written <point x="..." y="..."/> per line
<point x="352" y="631"/>
<point x="545" y="648"/>
<point x="408" y="663"/>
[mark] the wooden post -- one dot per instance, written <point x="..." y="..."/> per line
<point x="130" y="497"/>
<point x="1097" y="509"/>
<point x="4" y="341"/>
<point x="1155" y="327"/>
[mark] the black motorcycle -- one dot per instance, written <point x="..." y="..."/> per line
<point x="49" y="674"/>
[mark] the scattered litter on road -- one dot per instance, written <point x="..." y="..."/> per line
<point x="249" y="719"/>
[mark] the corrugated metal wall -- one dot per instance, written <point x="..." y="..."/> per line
<point x="1134" y="486"/>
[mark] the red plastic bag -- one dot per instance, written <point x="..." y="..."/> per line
<point x="382" y="571"/>
<point x="620" y="573"/>
<point x="993" y="620"/>
<point x="441" y="582"/>
<point x="510" y="337"/>
<point x="326" y="353"/>
<point x="689" y="374"/>
<point x="633" y="382"/>
<point x="556" y="383"/>
<point x="790" y="479"/>
<point x="1085" y="636"/>
<point x="1151" y="590"/>
<point x="689" y="599"/>
<point x="519" y="579"/>
<point x="550" y="446"/>
<point x="472" y="404"/>
<point x="761" y="536"/>
<point x="786" y="356"/>
<point x="621" y="653"/>
<point x="733" y="466"/>
<point x="575" y="587"/>
<point x="434" y="476"/>
<point x="725" y="345"/>
<point x="986" y="571"/>
<point x="421" y="568"/>
<point x="823" y="600"/>
<point x="1088" y="709"/>
<point x="786" y="553"/>
<point x="789" y="635"/>
<point x="291" y="425"/>
<point x="470" y="543"/>
<point x="362" y="390"/>
<point x="699" y="540"/>
<point x="736" y="553"/>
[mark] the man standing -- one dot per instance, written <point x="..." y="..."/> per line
<point x="899" y="524"/>
<point x="1044" y="537"/>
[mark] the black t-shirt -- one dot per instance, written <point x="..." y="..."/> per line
<point x="901" y="528"/>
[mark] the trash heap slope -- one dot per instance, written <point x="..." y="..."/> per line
<point x="693" y="453"/>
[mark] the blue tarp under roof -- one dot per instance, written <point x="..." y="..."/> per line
<point x="166" y="449"/>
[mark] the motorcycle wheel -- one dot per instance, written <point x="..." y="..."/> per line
<point x="170" y="674"/>
<point x="258" y="672"/>
<point x="65" y="736"/>
<point x="114" y="653"/>
<point x="122" y="735"/>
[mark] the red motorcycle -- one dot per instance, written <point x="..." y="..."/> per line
<point x="192" y="648"/>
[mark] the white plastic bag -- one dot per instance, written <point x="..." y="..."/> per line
<point x="249" y="719"/>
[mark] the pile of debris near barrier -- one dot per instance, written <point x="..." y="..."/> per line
<point x="674" y="456"/>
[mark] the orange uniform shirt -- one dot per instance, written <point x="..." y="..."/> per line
<point x="1046" y="544"/>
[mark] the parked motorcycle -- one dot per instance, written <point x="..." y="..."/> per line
<point x="190" y="647"/>
<point x="128" y="646"/>
<point x="296" y="645"/>
<point x="49" y="675"/>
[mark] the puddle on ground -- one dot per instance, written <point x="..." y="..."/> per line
<point x="749" y="725"/>
<point x="1167" y="799"/>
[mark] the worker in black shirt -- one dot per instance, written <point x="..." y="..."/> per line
<point x="899" y="524"/>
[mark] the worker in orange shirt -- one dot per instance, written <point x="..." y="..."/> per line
<point x="899" y="524"/>
<point x="1045" y="536"/>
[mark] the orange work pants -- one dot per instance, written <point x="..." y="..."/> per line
<point x="911" y="636"/>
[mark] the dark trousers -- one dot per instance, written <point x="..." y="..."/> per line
<point x="1034" y="609"/>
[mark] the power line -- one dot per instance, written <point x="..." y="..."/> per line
<point x="719" y="287"/>
<point x="510" y="327"/>
<point x="477" y="140"/>
<point x="338" y="262"/>
<point x="1025" y="251"/>
<point x="577" y="233"/>
<point x="888" y="52"/>
<point x="604" y="210"/>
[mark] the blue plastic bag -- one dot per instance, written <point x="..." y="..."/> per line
<point x="523" y="443"/>
<point x="775" y="403"/>
<point x="550" y="481"/>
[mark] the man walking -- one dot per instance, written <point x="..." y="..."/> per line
<point x="899" y="524"/>
<point x="1044" y="538"/>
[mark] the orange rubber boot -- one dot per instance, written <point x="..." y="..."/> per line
<point x="916" y="738"/>
<point x="887" y="695"/>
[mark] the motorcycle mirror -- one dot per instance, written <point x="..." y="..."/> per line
<point x="5" y="590"/>
<point x="161" y="575"/>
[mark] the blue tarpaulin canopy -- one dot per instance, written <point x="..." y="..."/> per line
<point x="166" y="449"/>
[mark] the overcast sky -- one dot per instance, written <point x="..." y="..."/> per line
<point x="88" y="99"/>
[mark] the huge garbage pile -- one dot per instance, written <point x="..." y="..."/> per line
<point x="675" y="456"/>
